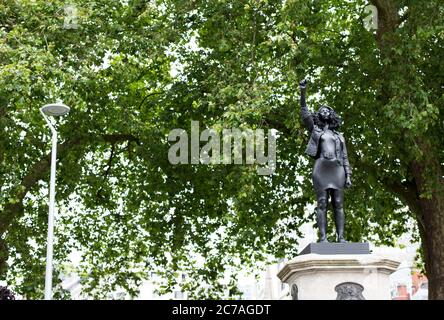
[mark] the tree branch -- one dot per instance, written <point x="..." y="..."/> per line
<point x="387" y="21"/>
<point x="39" y="170"/>
<point x="147" y="96"/>
<point x="35" y="173"/>
<point x="108" y="169"/>
<point x="114" y="138"/>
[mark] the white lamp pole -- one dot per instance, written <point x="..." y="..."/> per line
<point x="56" y="109"/>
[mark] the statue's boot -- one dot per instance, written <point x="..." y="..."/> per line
<point x="338" y="208"/>
<point x="321" y="219"/>
<point x="339" y="222"/>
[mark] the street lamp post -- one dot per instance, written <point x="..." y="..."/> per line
<point x="55" y="109"/>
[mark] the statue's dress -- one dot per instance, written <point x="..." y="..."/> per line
<point x="328" y="173"/>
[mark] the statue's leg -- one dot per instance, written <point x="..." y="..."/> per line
<point x="321" y="214"/>
<point x="338" y="208"/>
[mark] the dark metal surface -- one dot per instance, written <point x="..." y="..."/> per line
<point x="331" y="172"/>
<point x="337" y="248"/>
<point x="294" y="292"/>
<point x="349" y="291"/>
<point x="6" y="294"/>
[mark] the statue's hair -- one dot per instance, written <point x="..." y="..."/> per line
<point x="334" y="122"/>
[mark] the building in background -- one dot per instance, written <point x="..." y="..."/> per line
<point x="414" y="287"/>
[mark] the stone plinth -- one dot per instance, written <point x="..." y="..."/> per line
<point x="339" y="276"/>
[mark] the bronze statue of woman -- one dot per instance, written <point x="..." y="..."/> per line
<point x="331" y="171"/>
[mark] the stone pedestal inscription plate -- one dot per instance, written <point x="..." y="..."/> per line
<point x="349" y="291"/>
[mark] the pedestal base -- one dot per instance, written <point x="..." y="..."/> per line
<point x="337" y="248"/>
<point x="339" y="277"/>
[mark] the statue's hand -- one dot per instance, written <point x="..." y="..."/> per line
<point x="303" y="84"/>
<point x="348" y="182"/>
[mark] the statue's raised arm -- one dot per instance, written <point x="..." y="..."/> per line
<point x="306" y="116"/>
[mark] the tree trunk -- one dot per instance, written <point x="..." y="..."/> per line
<point x="3" y="257"/>
<point x="425" y="196"/>
<point x="431" y="221"/>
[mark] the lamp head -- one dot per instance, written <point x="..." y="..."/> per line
<point x="55" y="109"/>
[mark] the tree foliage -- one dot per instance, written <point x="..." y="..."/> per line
<point x="132" y="71"/>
